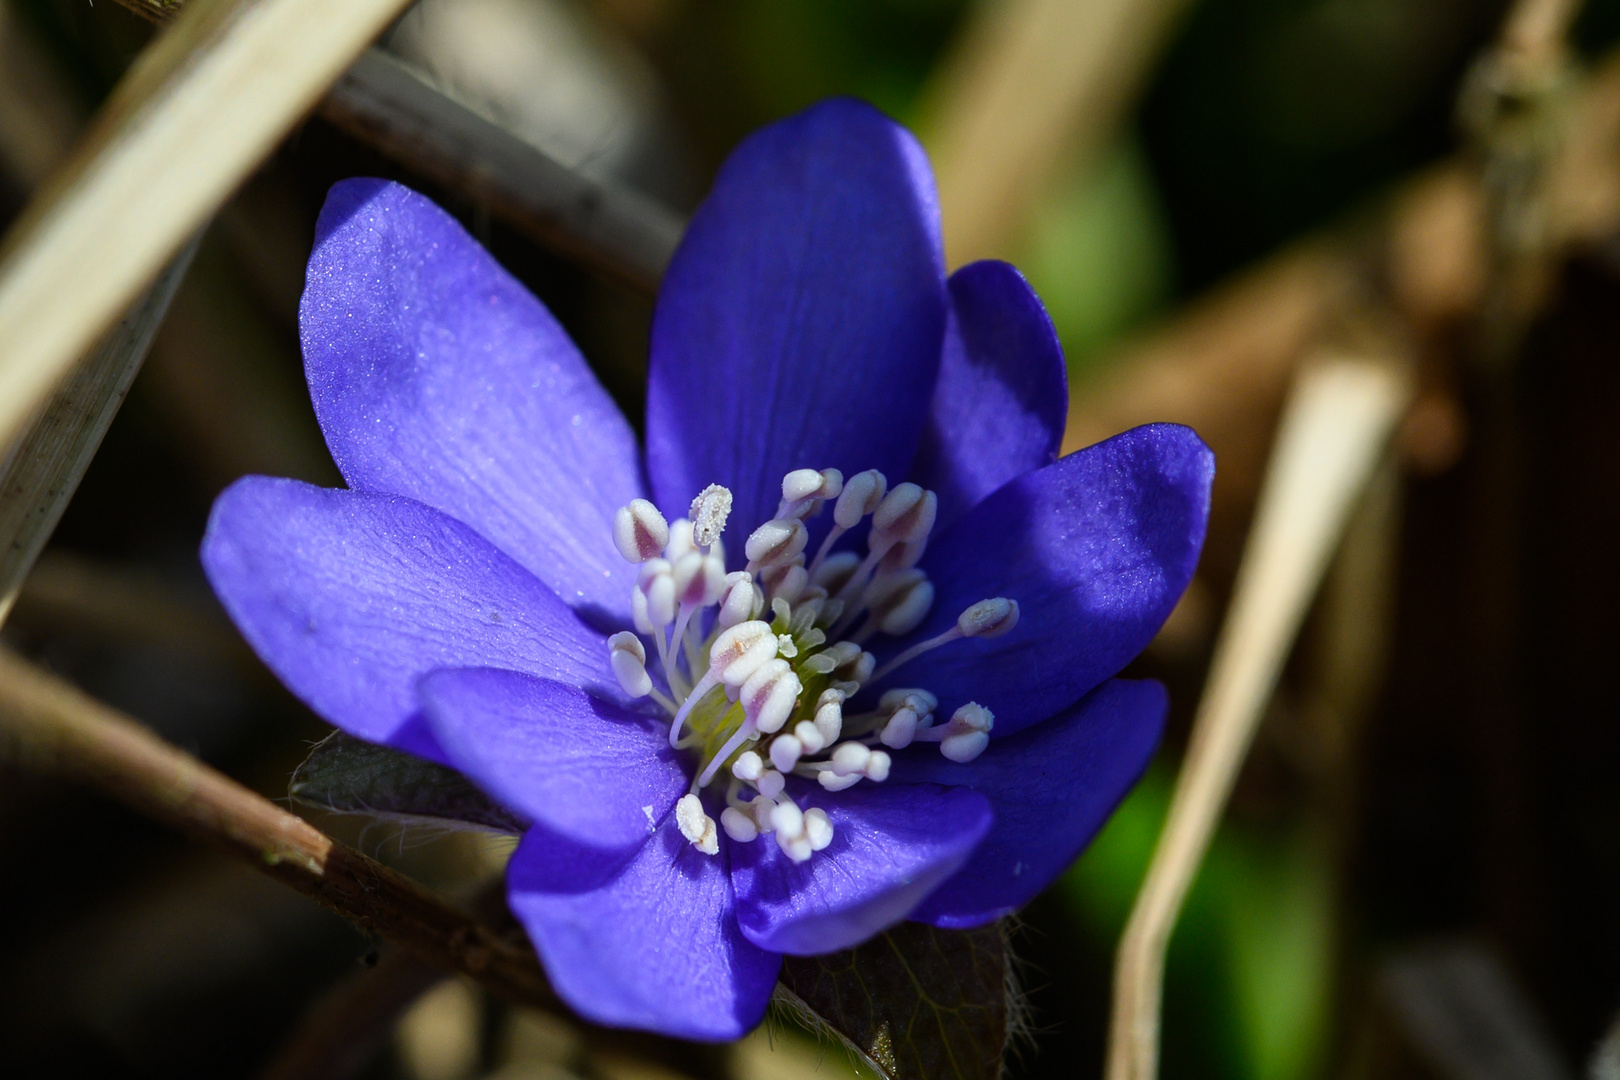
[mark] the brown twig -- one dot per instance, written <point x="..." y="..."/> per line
<point x="1332" y="436"/>
<point x="50" y="726"/>
<point x="383" y="102"/>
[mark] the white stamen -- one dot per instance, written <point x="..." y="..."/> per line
<point x="905" y="516"/>
<point x="778" y="541"/>
<point x="818" y="828"/>
<point x="700" y="580"/>
<point x="964" y="748"/>
<point x="769" y="695"/>
<point x="771" y="783"/>
<point x="695" y="825"/>
<point x="862" y="495"/>
<point x="786" y="750"/>
<point x="803" y="484"/>
<point x="742" y="600"/>
<point x="899" y="602"/>
<point x="629" y="658"/>
<point x="989" y="618"/>
<point x="900" y="729"/>
<point x="639" y="531"/>
<point x="809" y="737"/>
<point x="759" y="808"/>
<point x="788" y="821"/>
<point x="738" y="825"/>
<point x="833" y="782"/>
<point x="850" y="759"/>
<point x="877" y="766"/>
<point x="656" y="586"/>
<point x="709" y="512"/>
<point x="739" y="652"/>
<point x="966" y="735"/>
<point x="748" y="766"/>
<point x="680" y="539"/>
<point x="903" y="556"/>
<point x="786" y="582"/>
<point x="829" y="721"/>
<point x="920" y="700"/>
<point x="835" y="570"/>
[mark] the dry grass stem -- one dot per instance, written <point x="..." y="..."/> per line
<point x="1032" y="81"/>
<point x="1333" y="434"/>
<point x="44" y="468"/>
<point x="50" y="726"/>
<point x="200" y="108"/>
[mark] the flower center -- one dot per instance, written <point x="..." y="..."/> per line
<point x="758" y="665"/>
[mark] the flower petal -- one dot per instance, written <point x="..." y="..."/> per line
<point x="649" y="944"/>
<point x="892" y="845"/>
<point x="1052" y="787"/>
<point x="800" y="322"/>
<point x="1003" y="395"/>
<point x="1096" y="548"/>
<point x="436" y="375"/>
<point x="351" y="597"/>
<point x="585" y="769"/>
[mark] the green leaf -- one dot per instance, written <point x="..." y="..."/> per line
<point x="348" y="775"/>
<point x="916" y="1003"/>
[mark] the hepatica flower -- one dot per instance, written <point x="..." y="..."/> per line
<point x="836" y="651"/>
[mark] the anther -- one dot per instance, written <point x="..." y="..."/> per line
<point x="652" y="605"/>
<point x="829" y="719"/>
<point x="709" y="512"/>
<point x="905" y="516"/>
<point x="788" y="821"/>
<point x="818" y="828"/>
<point x="967" y="733"/>
<point x="699" y="579"/>
<point x="836" y="570"/>
<point x="739" y="652"/>
<point x="809" y="737"/>
<point x="748" y="766"/>
<point x="769" y="695"/>
<point x="899" y="602"/>
<point x="629" y="658"/>
<point x="639" y="531"/>
<point x="877" y="767"/>
<point x="695" y="825"/>
<point x="786" y="750"/>
<point x="739" y="826"/>
<point x="862" y="495"/>
<point x="988" y="618"/>
<point x="778" y="541"/>
<point x="900" y="729"/>
<point x="850" y="759"/>
<point x="742" y="600"/>
<point x="785" y="582"/>
<point x="771" y="783"/>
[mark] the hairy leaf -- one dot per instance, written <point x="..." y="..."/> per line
<point x="916" y="1003"/>
<point x="348" y="775"/>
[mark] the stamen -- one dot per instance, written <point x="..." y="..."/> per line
<point x="818" y="828"/>
<point x="629" y="658"/>
<point x="748" y="766"/>
<point x="988" y="619"/>
<point x="786" y="750"/>
<point x="788" y="822"/>
<point x="639" y="531"/>
<point x="861" y="495"/>
<point x="776" y="542"/>
<point x="905" y="516"/>
<point x="738" y="825"/>
<point x="696" y="825"/>
<point x="709" y="512"/>
<point x="742" y="602"/>
<point x="966" y="735"/>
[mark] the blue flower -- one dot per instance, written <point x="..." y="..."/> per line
<point x="826" y="700"/>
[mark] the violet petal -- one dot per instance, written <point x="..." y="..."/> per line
<point x="652" y="943"/>
<point x="800" y="322"/>
<point x="350" y="597"/>
<point x="892" y="845"/>
<point x="1052" y="786"/>
<point x="1002" y="398"/>
<point x="436" y="375"/>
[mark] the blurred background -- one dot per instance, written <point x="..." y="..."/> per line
<point x="1419" y="874"/>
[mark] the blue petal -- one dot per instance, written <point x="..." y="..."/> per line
<point x="800" y="322"/>
<point x="1052" y="788"/>
<point x="650" y="944"/>
<point x="351" y="597"/>
<point x="1096" y="548"/>
<point x="892" y="845"/>
<point x="436" y="375"/>
<point x="585" y="769"/>
<point x="1002" y="397"/>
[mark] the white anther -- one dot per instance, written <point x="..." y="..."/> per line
<point x="769" y="695"/>
<point x="877" y="767"/>
<point x="802" y="484"/>
<point x="709" y="512"/>
<point x="862" y="494"/>
<point x="850" y="758"/>
<point x="901" y="601"/>
<point x="920" y="700"/>
<point x="655" y="586"/>
<point x="739" y="652"/>
<point x="629" y="658"/>
<point x="833" y="782"/>
<point x="695" y="825"/>
<point x="742" y="601"/>
<point x="829" y="721"/>
<point x="836" y="570"/>
<point x="700" y="580"/>
<point x="759" y="808"/>
<point x="639" y="531"/>
<point x="778" y="541"/>
<point x="680" y="539"/>
<point x="786" y="582"/>
<point x="787" y="819"/>
<point x="809" y="737"/>
<point x="770" y="784"/>
<point x="905" y="516"/>
<point x="786" y="750"/>
<point x="738" y="825"/>
<point x="861" y="670"/>
<point x="748" y="766"/>
<point x="818" y="828"/>
<point x="988" y="618"/>
<point x="900" y="729"/>
<point x="902" y="557"/>
<point x="965" y="747"/>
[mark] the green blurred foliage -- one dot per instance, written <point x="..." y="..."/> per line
<point x="1098" y="251"/>
<point x="1250" y="973"/>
